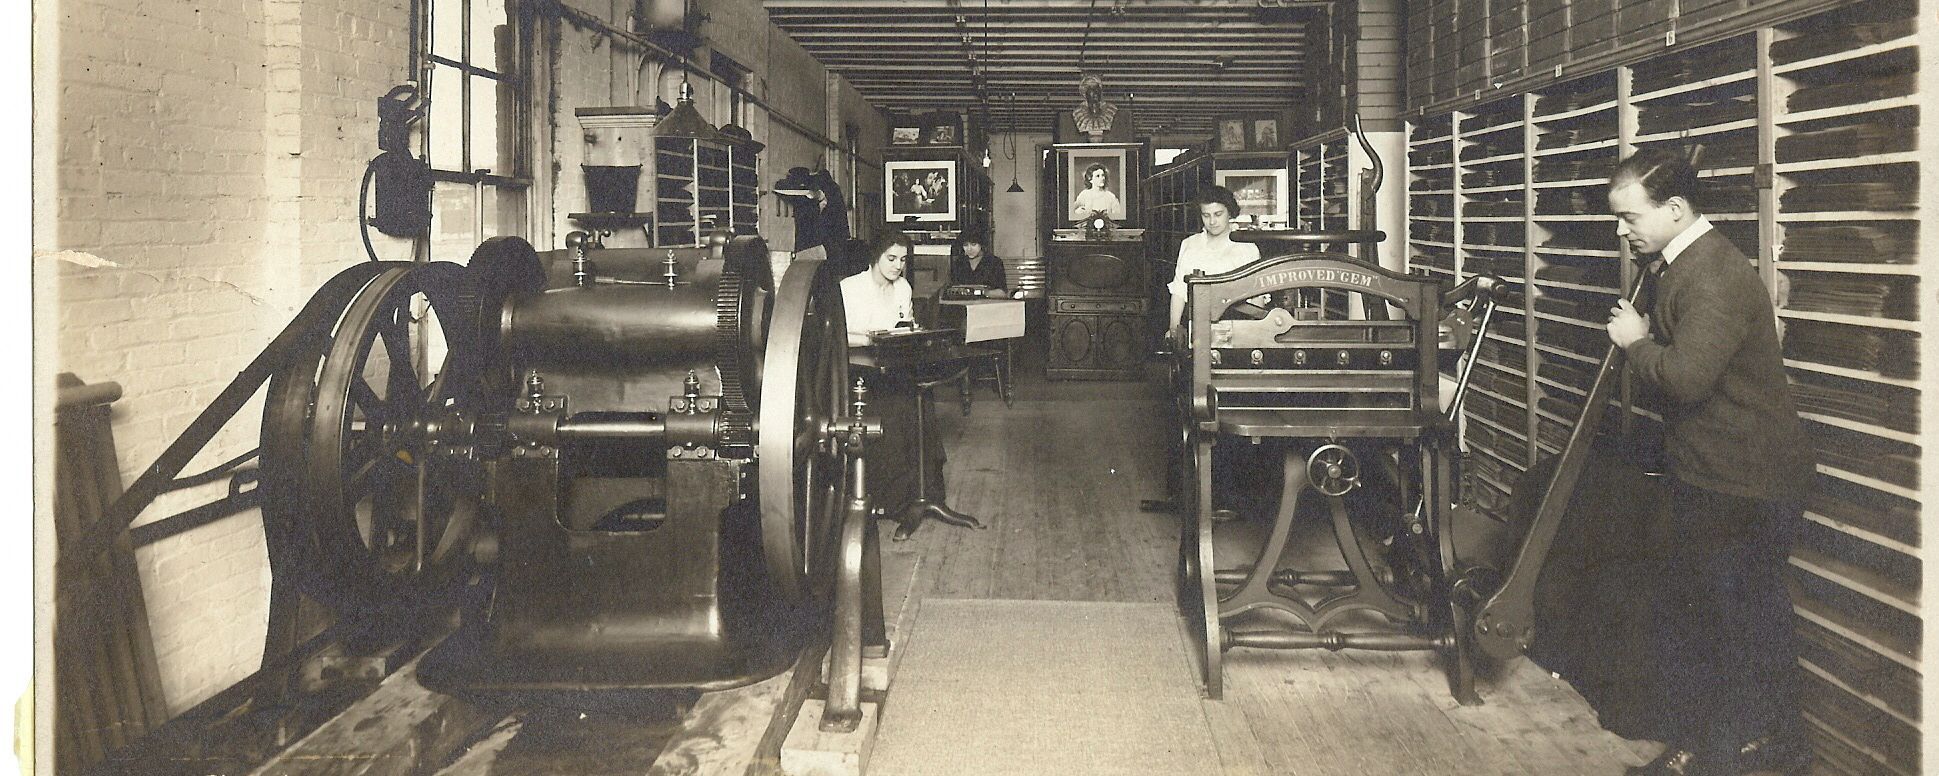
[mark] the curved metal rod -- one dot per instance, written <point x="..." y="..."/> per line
<point x="214" y="473"/>
<point x="842" y="712"/>
<point x="1365" y="145"/>
<point x="1453" y="410"/>
<point x="1505" y="623"/>
<point x="1208" y="628"/>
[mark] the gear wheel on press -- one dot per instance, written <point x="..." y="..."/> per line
<point x="730" y="316"/>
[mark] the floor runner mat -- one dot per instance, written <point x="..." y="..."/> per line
<point x="1068" y="688"/>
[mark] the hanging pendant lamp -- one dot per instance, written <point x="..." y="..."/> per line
<point x="1015" y="187"/>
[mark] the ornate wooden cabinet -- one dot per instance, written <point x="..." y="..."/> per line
<point x="1098" y="293"/>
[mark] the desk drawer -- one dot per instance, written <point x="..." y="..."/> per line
<point x="1097" y="305"/>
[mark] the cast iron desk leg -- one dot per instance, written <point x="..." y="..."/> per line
<point x="912" y="516"/>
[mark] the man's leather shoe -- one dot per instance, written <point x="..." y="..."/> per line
<point x="1774" y="753"/>
<point x="1674" y="761"/>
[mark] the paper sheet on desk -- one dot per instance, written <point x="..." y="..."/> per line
<point x="989" y="319"/>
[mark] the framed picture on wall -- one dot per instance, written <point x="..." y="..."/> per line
<point x="1265" y="134"/>
<point x="905" y="135"/>
<point x="924" y="190"/>
<point x="1097" y="181"/>
<point x="1232" y="134"/>
<point x="1262" y="195"/>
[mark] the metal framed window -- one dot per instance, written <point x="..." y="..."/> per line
<point x="475" y="61"/>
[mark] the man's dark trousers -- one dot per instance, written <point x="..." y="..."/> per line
<point x="1724" y="634"/>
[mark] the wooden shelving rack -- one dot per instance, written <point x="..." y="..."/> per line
<point x="1813" y="157"/>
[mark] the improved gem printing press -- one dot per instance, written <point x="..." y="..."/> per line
<point x="1352" y="408"/>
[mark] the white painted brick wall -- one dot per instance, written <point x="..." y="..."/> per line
<point x="209" y="154"/>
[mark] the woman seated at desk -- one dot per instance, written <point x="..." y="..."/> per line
<point x="970" y="265"/>
<point x="878" y="298"/>
<point x="875" y="300"/>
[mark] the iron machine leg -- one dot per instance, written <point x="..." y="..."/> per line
<point x="1457" y="650"/>
<point x="859" y="628"/>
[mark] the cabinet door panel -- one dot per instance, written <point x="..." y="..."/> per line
<point x="1071" y="342"/>
<point x="1117" y="343"/>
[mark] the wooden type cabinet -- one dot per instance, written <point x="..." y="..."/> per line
<point x="701" y="186"/>
<point x="1098" y="298"/>
<point x="1322" y="182"/>
<point x="1814" y="161"/>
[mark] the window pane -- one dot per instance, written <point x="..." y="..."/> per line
<point x="511" y="130"/>
<point x="486" y="126"/>
<point x="490" y="35"/>
<point x="447" y="28"/>
<point x="504" y="211"/>
<point x="447" y="118"/>
<point x="454" y="213"/>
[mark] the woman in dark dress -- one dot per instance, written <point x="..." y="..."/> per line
<point x="971" y="265"/>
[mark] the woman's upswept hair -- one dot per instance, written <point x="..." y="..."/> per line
<point x="1219" y="195"/>
<point x="881" y="243"/>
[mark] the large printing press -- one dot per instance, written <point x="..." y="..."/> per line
<point x="630" y="470"/>
<point x="642" y="469"/>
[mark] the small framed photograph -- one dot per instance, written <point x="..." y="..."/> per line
<point x="1232" y="134"/>
<point x="905" y="135"/>
<point x="1265" y="134"/>
<point x="924" y="190"/>
<point x="944" y="134"/>
<point x="1261" y="194"/>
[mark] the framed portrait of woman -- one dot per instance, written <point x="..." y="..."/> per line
<point x="1265" y="134"/>
<point x="1099" y="181"/>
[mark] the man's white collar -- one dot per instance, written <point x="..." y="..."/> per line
<point x="1698" y="229"/>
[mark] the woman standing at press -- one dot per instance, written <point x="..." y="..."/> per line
<point x="1211" y="251"/>
<point x="1243" y="478"/>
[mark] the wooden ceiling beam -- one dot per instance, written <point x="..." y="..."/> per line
<point x="1174" y="57"/>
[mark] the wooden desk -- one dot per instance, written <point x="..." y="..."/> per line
<point x="983" y="320"/>
<point x="996" y="322"/>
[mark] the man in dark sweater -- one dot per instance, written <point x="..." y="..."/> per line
<point x="1724" y="642"/>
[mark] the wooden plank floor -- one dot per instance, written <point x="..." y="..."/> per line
<point x="1058" y="479"/>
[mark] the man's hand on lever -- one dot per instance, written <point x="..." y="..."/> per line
<point x="1626" y="324"/>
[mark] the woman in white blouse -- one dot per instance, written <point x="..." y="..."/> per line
<point x="878" y="298"/>
<point x="1211" y="251"/>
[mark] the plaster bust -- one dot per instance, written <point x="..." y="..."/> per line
<point x="1093" y="116"/>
